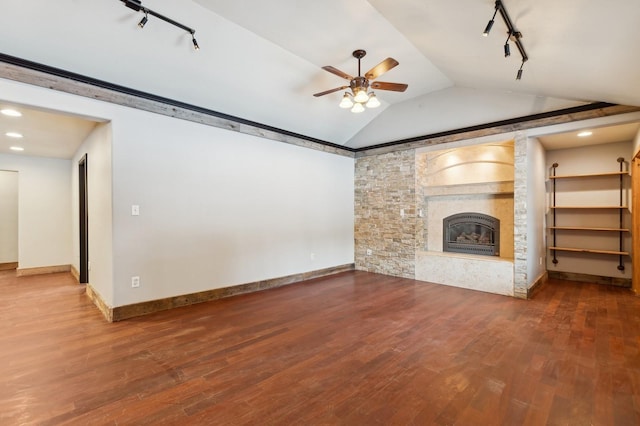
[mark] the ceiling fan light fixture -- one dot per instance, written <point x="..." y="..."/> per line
<point x="361" y="96"/>
<point x="358" y="97"/>
<point x="357" y="108"/>
<point x="373" y="101"/>
<point x="346" y="101"/>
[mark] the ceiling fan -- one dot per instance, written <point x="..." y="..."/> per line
<point x="359" y="97"/>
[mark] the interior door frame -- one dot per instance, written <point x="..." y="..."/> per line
<point x="635" y="223"/>
<point x="83" y="202"/>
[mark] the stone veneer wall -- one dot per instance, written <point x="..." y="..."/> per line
<point x="520" y="217"/>
<point x="422" y="234"/>
<point x="385" y="184"/>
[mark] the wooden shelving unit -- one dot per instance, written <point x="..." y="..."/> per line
<point x="619" y="209"/>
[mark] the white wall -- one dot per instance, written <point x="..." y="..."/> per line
<point x="536" y="210"/>
<point x="220" y="208"/>
<point x="44" y="211"/>
<point x="8" y="216"/>
<point x="97" y="148"/>
<point x="217" y="208"/>
<point x="589" y="192"/>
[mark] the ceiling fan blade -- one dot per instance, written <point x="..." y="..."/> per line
<point x="381" y="68"/>
<point x="326" y="92"/>
<point x="382" y="85"/>
<point x="337" y="72"/>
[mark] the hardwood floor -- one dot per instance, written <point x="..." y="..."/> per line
<point x="354" y="349"/>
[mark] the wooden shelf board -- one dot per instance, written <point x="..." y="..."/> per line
<point x="589" y="207"/>
<point x="579" y="250"/>
<point x="587" y="228"/>
<point x="625" y="173"/>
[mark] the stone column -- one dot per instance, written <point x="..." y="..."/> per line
<point x="520" y="216"/>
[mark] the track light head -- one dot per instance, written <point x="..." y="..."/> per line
<point x="143" y="21"/>
<point x="195" y="43"/>
<point x="487" y="29"/>
<point x="519" y="75"/>
<point x="507" y="49"/>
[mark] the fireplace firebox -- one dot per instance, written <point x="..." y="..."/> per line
<point x="472" y="233"/>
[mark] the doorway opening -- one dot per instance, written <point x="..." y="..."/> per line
<point x="84" y="220"/>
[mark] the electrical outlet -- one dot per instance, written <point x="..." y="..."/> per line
<point x="135" y="210"/>
<point x="312" y="256"/>
<point x="135" y="282"/>
<point x="369" y="252"/>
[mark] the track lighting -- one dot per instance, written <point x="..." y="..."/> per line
<point x="512" y="34"/>
<point x="138" y="7"/>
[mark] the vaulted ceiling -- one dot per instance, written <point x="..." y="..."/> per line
<point x="261" y="60"/>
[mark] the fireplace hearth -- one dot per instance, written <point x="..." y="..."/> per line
<point x="471" y="233"/>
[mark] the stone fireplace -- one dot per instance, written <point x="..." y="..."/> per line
<point x="472" y="233"/>
<point x="466" y="203"/>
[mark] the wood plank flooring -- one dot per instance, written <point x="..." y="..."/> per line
<point x="352" y="349"/>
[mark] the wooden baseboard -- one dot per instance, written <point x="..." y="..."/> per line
<point x="538" y="285"/>
<point x="596" y="279"/>
<point x="9" y="266"/>
<point x="119" y="313"/>
<point x="97" y="300"/>
<point x="23" y="272"/>
<point x="75" y="273"/>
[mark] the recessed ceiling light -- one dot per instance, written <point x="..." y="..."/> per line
<point x="584" y="134"/>
<point x="16" y="148"/>
<point x="13" y="135"/>
<point x="11" y="112"/>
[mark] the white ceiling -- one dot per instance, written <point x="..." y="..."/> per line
<point x="45" y="134"/>
<point x="599" y="135"/>
<point x="261" y="61"/>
